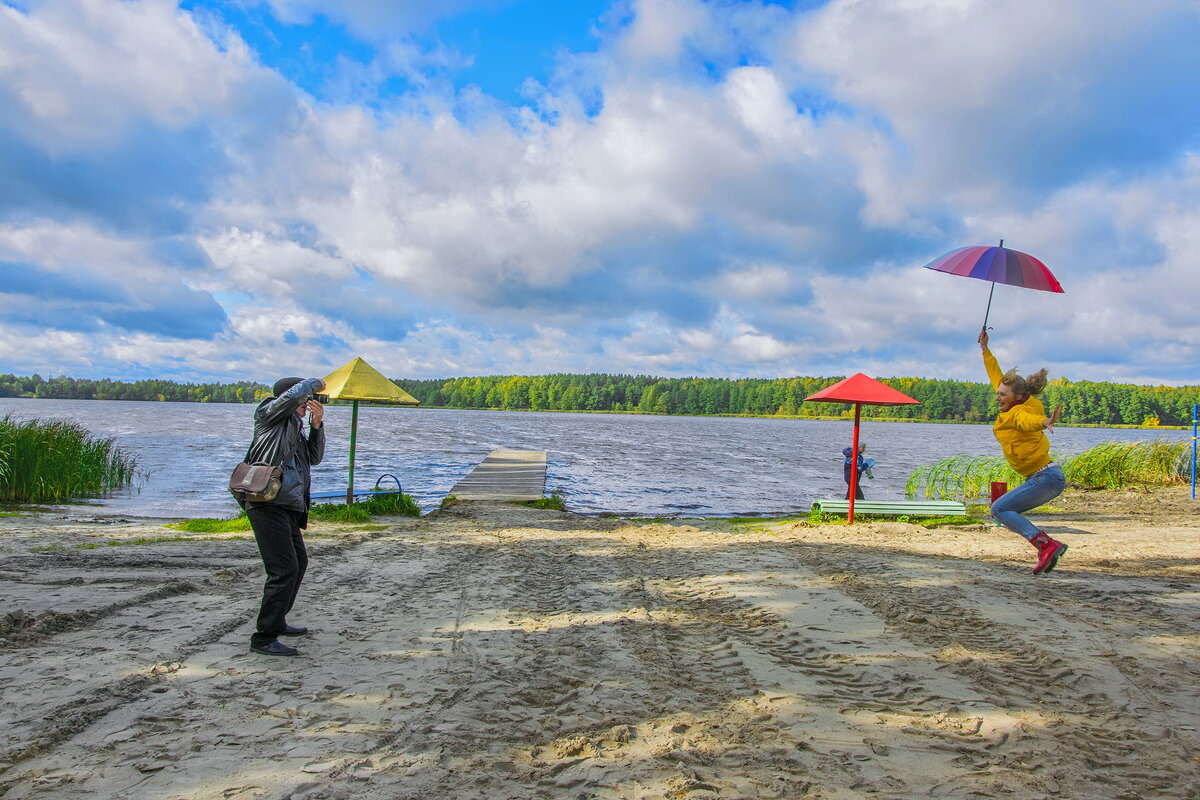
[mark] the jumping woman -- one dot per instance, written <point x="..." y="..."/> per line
<point x="1020" y="430"/>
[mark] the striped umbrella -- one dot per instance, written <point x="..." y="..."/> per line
<point x="998" y="265"/>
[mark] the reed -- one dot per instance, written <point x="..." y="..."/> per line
<point x="51" y="461"/>
<point x="1114" y="465"/>
<point x="960" y="477"/>
<point x="1111" y="465"/>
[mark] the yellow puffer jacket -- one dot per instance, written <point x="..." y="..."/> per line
<point x="1020" y="430"/>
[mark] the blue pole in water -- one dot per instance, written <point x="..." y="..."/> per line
<point x="1195" y="423"/>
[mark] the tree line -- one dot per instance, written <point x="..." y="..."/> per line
<point x="1084" y="402"/>
<point x="108" y="389"/>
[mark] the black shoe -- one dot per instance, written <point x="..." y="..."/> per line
<point x="292" y="630"/>
<point x="274" y="648"/>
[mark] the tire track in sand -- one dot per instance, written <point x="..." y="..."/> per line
<point x="1134" y="747"/>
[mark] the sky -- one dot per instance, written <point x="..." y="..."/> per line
<point x="223" y="191"/>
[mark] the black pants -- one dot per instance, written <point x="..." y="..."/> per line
<point x="858" y="495"/>
<point x="281" y="544"/>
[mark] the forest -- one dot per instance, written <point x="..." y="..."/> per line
<point x="1084" y="402"/>
<point x="107" y="389"/>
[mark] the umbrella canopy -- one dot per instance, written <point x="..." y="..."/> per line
<point x="356" y="381"/>
<point x="998" y="265"/>
<point x="860" y="390"/>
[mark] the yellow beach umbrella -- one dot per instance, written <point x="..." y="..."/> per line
<point x="356" y="381"/>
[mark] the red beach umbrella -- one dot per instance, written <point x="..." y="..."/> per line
<point x="860" y="390"/>
<point x="998" y="265"/>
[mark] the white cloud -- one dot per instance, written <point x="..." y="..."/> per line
<point x="80" y="74"/>
<point x="657" y="347"/>
<point x="661" y="28"/>
<point x="707" y="217"/>
<point x="63" y="247"/>
<point x="419" y="201"/>
<point x="50" y="353"/>
<point x="761" y="281"/>
<point x="972" y="93"/>
<point x="760" y="100"/>
<point x="275" y="266"/>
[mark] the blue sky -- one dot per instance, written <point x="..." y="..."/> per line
<point x="229" y="190"/>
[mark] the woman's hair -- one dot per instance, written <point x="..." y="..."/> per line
<point x="1030" y="385"/>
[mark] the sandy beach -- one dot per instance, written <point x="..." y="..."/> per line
<point x="495" y="651"/>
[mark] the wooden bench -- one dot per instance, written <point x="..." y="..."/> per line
<point x="362" y="492"/>
<point x="893" y="508"/>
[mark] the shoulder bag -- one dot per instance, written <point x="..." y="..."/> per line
<point x="255" y="483"/>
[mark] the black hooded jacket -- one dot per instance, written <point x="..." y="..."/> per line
<point x="279" y="439"/>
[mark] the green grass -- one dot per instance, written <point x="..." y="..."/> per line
<point x="381" y="505"/>
<point x="924" y="522"/>
<point x="1112" y="465"/>
<point x="175" y="539"/>
<point x="52" y="461"/>
<point x="163" y="540"/>
<point x="123" y="542"/>
<point x="554" y="502"/>
<point x="758" y="520"/>
<point x="390" y="505"/>
<point x="238" y="524"/>
<point x="822" y="518"/>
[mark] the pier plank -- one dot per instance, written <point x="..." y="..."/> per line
<point x="505" y="475"/>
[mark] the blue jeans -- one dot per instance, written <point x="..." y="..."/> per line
<point x="1040" y="487"/>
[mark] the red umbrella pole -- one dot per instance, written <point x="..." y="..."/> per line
<point x="854" y="464"/>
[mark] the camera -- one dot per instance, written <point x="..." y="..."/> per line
<point x="323" y="399"/>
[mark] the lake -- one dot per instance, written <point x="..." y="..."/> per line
<point x="620" y="464"/>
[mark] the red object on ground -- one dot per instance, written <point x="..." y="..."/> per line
<point x="860" y="389"/>
<point x="998" y="489"/>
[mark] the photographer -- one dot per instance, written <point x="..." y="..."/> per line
<point x="279" y="439"/>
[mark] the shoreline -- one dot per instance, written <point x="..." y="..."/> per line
<point x="846" y="417"/>
<point x="1077" y="500"/>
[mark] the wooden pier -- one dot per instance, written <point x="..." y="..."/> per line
<point x="505" y="475"/>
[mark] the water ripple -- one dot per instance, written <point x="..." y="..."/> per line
<point x="611" y="464"/>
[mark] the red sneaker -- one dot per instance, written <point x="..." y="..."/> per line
<point x="1048" y="552"/>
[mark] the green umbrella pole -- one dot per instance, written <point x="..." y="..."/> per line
<point x="353" y="431"/>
